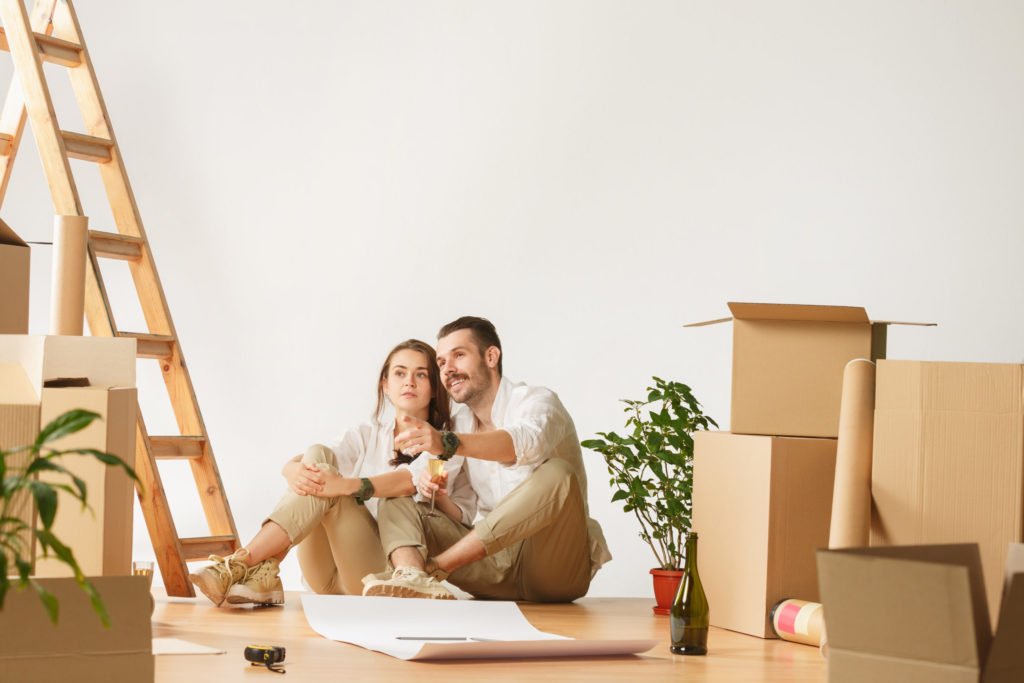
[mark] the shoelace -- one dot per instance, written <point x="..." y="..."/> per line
<point x="222" y="565"/>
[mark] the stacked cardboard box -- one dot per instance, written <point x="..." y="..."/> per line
<point x="101" y="540"/>
<point x="948" y="464"/>
<point x="762" y="496"/>
<point x="14" y="268"/>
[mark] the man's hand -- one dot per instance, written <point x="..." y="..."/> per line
<point x="429" y="486"/>
<point x="418" y="436"/>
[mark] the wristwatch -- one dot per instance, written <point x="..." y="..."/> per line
<point x="365" y="491"/>
<point x="450" y="441"/>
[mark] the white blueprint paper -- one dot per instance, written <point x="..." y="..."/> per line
<point x="470" y="629"/>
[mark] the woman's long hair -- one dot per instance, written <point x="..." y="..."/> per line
<point x="438" y="412"/>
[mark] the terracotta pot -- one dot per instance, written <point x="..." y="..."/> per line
<point x="666" y="585"/>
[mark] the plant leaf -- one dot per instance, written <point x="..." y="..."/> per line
<point x="46" y="501"/>
<point x="49" y="601"/>
<point x="68" y="423"/>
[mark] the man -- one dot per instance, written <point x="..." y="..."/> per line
<point x="522" y="460"/>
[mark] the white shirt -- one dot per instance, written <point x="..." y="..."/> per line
<point x="541" y="429"/>
<point x="365" y="451"/>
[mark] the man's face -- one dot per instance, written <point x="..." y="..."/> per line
<point x="465" y="370"/>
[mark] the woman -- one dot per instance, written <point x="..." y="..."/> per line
<point x="330" y="509"/>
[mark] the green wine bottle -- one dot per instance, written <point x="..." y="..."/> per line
<point x="690" y="615"/>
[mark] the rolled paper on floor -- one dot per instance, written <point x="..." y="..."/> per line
<point x="851" y="494"/>
<point x="67" y="293"/>
<point x="798" y="621"/>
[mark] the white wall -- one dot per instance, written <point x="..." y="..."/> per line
<point x="324" y="179"/>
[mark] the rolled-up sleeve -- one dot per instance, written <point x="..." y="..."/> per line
<point x="537" y="422"/>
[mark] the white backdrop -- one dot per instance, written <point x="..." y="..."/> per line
<point x="321" y="180"/>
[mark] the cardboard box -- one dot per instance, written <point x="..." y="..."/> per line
<point x="762" y="506"/>
<point x="78" y="648"/>
<point x="948" y="462"/>
<point x="19" y="426"/>
<point x="787" y="364"/>
<point x="14" y="280"/>
<point x="918" y="614"/>
<point x="101" y="540"/>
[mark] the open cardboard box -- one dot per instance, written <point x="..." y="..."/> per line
<point x="14" y="271"/>
<point x="918" y="614"/>
<point x="78" y="649"/>
<point x="101" y="540"/>
<point x="787" y="364"/>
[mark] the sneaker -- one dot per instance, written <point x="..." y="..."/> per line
<point x="406" y="582"/>
<point x="261" y="585"/>
<point x="215" y="580"/>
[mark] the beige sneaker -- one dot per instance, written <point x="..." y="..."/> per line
<point x="261" y="585"/>
<point x="406" y="582"/>
<point x="215" y="580"/>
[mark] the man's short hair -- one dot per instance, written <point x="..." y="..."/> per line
<point x="483" y="333"/>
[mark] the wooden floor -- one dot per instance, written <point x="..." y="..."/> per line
<point x="732" y="657"/>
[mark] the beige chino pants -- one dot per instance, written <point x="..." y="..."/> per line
<point x="536" y="539"/>
<point x="337" y="538"/>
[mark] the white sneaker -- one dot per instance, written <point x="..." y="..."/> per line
<point x="406" y="582"/>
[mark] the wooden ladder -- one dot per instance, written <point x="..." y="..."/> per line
<point x="52" y="34"/>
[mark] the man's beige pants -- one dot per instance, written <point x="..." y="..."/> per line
<point x="536" y="539"/>
<point x="337" y="538"/>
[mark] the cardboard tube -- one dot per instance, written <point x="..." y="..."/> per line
<point x="67" y="292"/>
<point x="851" y="495"/>
<point x="798" y="621"/>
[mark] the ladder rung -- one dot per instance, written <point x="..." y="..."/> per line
<point x="87" y="147"/>
<point x="5" y="144"/>
<point x="202" y="547"/>
<point x="151" y="345"/>
<point x="116" y="246"/>
<point x="177" y="447"/>
<point x="51" y="49"/>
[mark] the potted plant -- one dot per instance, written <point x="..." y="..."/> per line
<point x="651" y="470"/>
<point x="18" y="481"/>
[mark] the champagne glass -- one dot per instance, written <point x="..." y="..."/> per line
<point x="436" y="469"/>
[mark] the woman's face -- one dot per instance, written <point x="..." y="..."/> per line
<point x="407" y="384"/>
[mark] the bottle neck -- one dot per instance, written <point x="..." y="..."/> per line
<point x="691" y="552"/>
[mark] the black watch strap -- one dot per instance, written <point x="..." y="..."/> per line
<point x="450" y="441"/>
<point x="365" y="491"/>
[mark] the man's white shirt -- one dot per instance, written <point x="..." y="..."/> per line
<point x="541" y="429"/>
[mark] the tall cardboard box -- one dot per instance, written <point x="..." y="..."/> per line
<point x="101" y="539"/>
<point x="948" y="463"/>
<point x="918" y="614"/>
<point x="787" y="364"/>
<point x="14" y="269"/>
<point x="762" y="506"/>
<point x="79" y="649"/>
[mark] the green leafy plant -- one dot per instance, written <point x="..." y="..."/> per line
<point x="651" y="467"/>
<point x="14" y="480"/>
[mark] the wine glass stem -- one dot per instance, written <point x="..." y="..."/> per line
<point x="433" y="497"/>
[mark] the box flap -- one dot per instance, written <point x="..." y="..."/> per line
<point x="810" y="313"/>
<point x="14" y="386"/>
<point x="910" y="602"/>
<point x="1005" y="660"/>
<point x="708" y="322"/>
<point x="902" y="322"/>
<point x="9" y="237"/>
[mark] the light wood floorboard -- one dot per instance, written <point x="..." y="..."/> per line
<point x="733" y="657"/>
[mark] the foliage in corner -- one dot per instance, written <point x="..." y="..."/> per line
<point x="17" y="482"/>
<point x="651" y="467"/>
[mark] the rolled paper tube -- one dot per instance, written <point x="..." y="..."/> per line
<point x="67" y="293"/>
<point x="798" y="621"/>
<point x="851" y="495"/>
